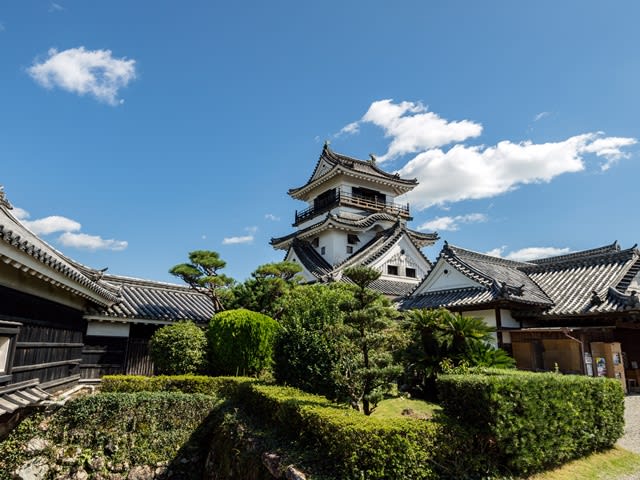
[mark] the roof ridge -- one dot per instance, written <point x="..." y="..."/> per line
<point x="483" y="256"/>
<point x="134" y="281"/>
<point x="606" y="249"/>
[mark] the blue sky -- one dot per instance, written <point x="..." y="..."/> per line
<point x="134" y="132"/>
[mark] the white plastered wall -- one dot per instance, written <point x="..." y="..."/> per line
<point x="107" y="329"/>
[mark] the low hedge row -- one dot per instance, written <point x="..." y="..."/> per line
<point x="217" y="386"/>
<point x="141" y="428"/>
<point x="352" y="446"/>
<point x="355" y="446"/>
<point x="533" y="421"/>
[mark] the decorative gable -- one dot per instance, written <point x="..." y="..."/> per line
<point x="446" y="277"/>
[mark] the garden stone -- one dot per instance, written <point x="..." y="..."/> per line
<point x="34" y="469"/>
<point x="141" y="473"/>
<point x="292" y="473"/>
<point x="272" y="462"/>
<point x="36" y="444"/>
<point x="96" y="463"/>
<point x="80" y="474"/>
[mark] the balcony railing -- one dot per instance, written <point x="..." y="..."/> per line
<point x="346" y="199"/>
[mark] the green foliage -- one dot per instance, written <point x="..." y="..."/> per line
<point x="179" y="348"/>
<point x="305" y="352"/>
<point x="266" y="287"/>
<point x="367" y="367"/>
<point x="354" y="446"/>
<point x="535" y="421"/>
<point x="202" y="274"/>
<point x="442" y="339"/>
<point x="216" y="386"/>
<point x="241" y="342"/>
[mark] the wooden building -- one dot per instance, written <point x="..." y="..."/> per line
<point x="352" y="218"/>
<point x="563" y="311"/>
<point x="61" y="321"/>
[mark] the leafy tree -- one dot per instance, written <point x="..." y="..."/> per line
<point x="305" y="350"/>
<point x="267" y="285"/>
<point x="202" y="274"/>
<point x="442" y="338"/>
<point x="179" y="348"/>
<point x="241" y="342"/>
<point x="367" y="366"/>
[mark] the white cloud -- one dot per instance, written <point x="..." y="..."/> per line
<point x="237" y="240"/>
<point x="272" y="217"/>
<point x="609" y="148"/>
<point x="351" y="129"/>
<point x="252" y="229"/>
<point x="91" y="242"/>
<point x="529" y="253"/>
<point x="55" y="7"/>
<point x="412" y="128"/>
<point x="481" y="172"/>
<point x="20" y="213"/>
<point x="52" y="224"/>
<point x="93" y="72"/>
<point x="2" y="29"/>
<point x="452" y="223"/>
<point x="540" y="116"/>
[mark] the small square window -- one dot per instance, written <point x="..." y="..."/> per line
<point x="392" y="269"/>
<point x="410" y="272"/>
<point x="349" y="249"/>
<point x="322" y="250"/>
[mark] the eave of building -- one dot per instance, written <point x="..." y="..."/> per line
<point x="331" y="221"/>
<point x="145" y="301"/>
<point x="399" y="186"/>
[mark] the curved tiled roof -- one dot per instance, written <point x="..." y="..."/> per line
<point x="595" y="281"/>
<point x="449" y="298"/>
<point x="82" y="278"/>
<point x="147" y="300"/>
<point x="355" y="166"/>
<point x="571" y="282"/>
<point x="311" y="259"/>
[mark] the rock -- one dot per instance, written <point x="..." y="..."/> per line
<point x="292" y="473"/>
<point x="272" y="462"/>
<point x="36" y="444"/>
<point x="35" y="469"/>
<point x="80" y="474"/>
<point x="96" y="463"/>
<point x="141" y="473"/>
<point x="70" y="455"/>
<point x="161" y="471"/>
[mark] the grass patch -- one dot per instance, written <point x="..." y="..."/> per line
<point x="607" y="465"/>
<point x="393" y="408"/>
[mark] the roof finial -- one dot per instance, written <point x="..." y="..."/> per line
<point x="326" y="144"/>
<point x="3" y="199"/>
<point x="372" y="158"/>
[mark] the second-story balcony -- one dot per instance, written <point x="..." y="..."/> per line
<point x="340" y="198"/>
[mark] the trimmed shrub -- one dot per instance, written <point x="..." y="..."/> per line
<point x="136" y="428"/>
<point x="241" y="342"/>
<point x="216" y="386"/>
<point x="179" y="348"/>
<point x="354" y="446"/>
<point x="534" y="421"/>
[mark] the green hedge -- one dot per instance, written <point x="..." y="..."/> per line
<point x="533" y="421"/>
<point x="217" y="386"/>
<point x="350" y="445"/>
<point x="355" y="446"/>
<point x="138" y="428"/>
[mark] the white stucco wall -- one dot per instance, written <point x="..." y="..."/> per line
<point x="108" y="329"/>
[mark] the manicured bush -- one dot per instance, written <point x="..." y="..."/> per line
<point x="216" y="386"/>
<point x="534" y="421"/>
<point x="241" y="342"/>
<point x="179" y="348"/>
<point x="354" y="445"/>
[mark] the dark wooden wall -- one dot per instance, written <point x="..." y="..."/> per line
<point x="49" y="344"/>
